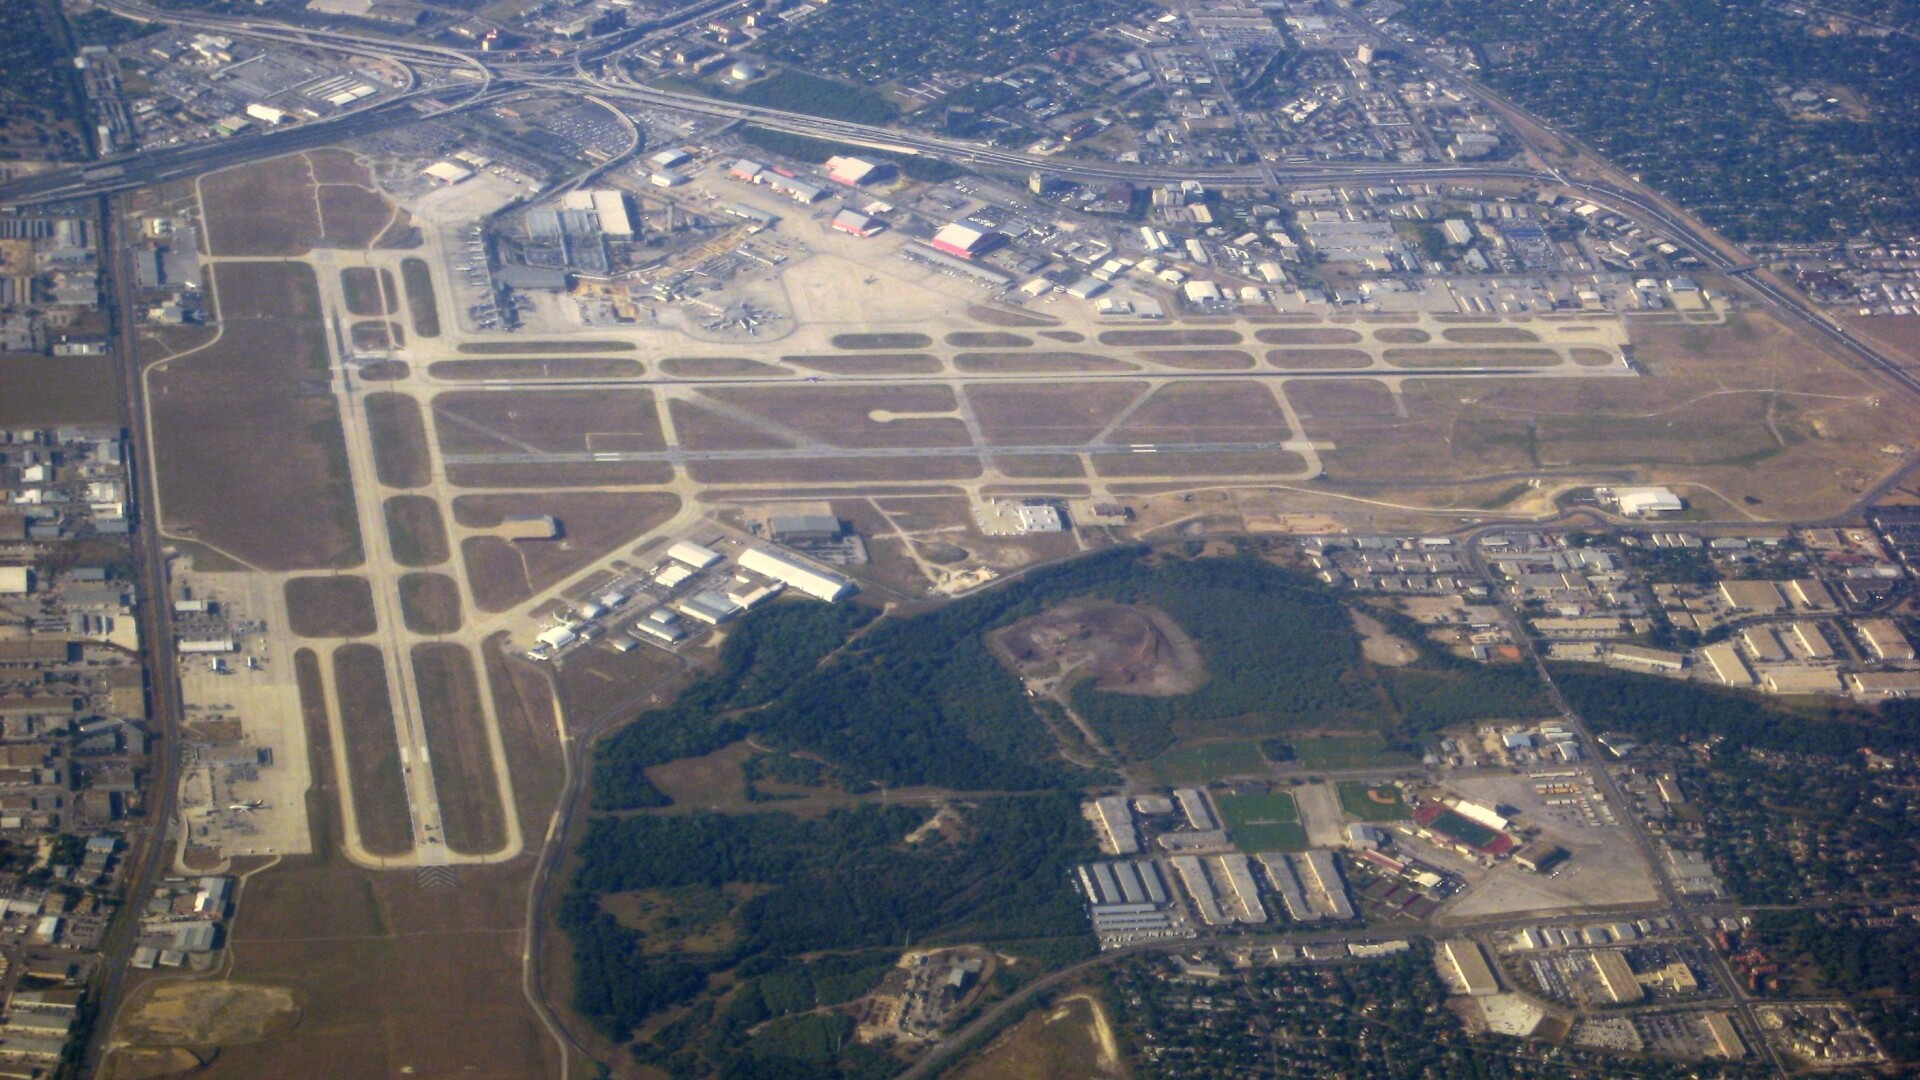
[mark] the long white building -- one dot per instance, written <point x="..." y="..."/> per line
<point x="816" y="583"/>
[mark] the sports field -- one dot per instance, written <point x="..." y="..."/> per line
<point x="1348" y="752"/>
<point x="1373" y="802"/>
<point x="1269" y="822"/>
<point x="1204" y="762"/>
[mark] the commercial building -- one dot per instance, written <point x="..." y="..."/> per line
<point x="803" y="528"/>
<point x="1466" y="967"/>
<point x="15" y="581"/>
<point x="855" y="223"/>
<point x="1885" y="684"/>
<point x="447" y="172"/>
<point x="852" y="171"/>
<point x="1801" y="679"/>
<point x="1752" y="595"/>
<point x="1727" y="664"/>
<point x="1652" y="659"/>
<point x="710" y="607"/>
<point x="795" y="574"/>
<point x="1116" y="825"/>
<point x="266" y="113"/>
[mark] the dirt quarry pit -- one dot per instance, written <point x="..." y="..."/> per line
<point x="1129" y="650"/>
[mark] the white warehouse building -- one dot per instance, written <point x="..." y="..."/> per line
<point x="795" y="574"/>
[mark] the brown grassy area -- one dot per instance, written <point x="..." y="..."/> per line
<point x="415" y="530"/>
<point x="386" y="370"/>
<point x="516" y="348"/>
<point x="1206" y="412"/>
<point x="523" y="704"/>
<point x="1201" y="359"/>
<point x="1340" y="397"/>
<point x="559" y="475"/>
<point x="336" y="167"/>
<point x="1402" y="335"/>
<point x="988" y="339"/>
<point x="262" y="209"/>
<point x="1228" y="463"/>
<point x="1318" y="359"/>
<point x="843" y="415"/>
<point x="697" y="428"/>
<point x="463" y="767"/>
<point x="352" y="217"/>
<point x="392" y="979"/>
<point x="370" y="334"/>
<point x="360" y="288"/>
<point x="421" y="306"/>
<point x="430" y="603"/>
<point x="716" y="367"/>
<point x="1489" y="335"/>
<point x="1591" y="357"/>
<point x="255" y="462"/>
<point x="1063" y="414"/>
<point x="1039" y="361"/>
<point x="41" y="390"/>
<point x="400" y="454"/>
<point x="1441" y="357"/>
<point x="550" y="421"/>
<point x="1310" y="335"/>
<point x="593" y="523"/>
<point x="564" y="367"/>
<point x="1071" y="337"/>
<point x="373" y="750"/>
<point x="993" y="316"/>
<point x="338" y="606"/>
<point x="1070" y="1041"/>
<point x="1170" y="337"/>
<point x="1039" y="466"/>
<point x="835" y="471"/>
<point x="881" y="341"/>
<point x="869" y="364"/>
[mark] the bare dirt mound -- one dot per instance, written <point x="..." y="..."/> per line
<point x="208" y="1014"/>
<point x="1131" y="650"/>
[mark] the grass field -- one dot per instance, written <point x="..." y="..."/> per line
<point x="877" y="363"/>
<point x="1170" y="337"/>
<point x="552" y="367"/>
<point x="1206" y="762"/>
<point x="1200" y="359"/>
<point x="1307" y="335"/>
<point x="361" y="286"/>
<point x="421" y="306"/>
<point x="263" y="209"/>
<point x="1369" y="802"/>
<point x="1348" y="752"/>
<point x="416" y="531"/>
<point x="1443" y="357"/>
<point x="254" y="462"/>
<point x="330" y="607"/>
<point x="429" y="603"/>
<point x="352" y="217"/>
<point x="1071" y="1041"/>
<point x="373" y="750"/>
<point x="552" y="421"/>
<point x="503" y="573"/>
<point x="521" y="348"/>
<point x="988" y="339"/>
<point x="71" y="390"/>
<point x="463" y="772"/>
<point x="1269" y="822"/>
<point x="400" y="455"/>
<point x="881" y="341"/>
<point x="848" y="416"/>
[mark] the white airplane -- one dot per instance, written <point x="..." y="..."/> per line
<point x="248" y="807"/>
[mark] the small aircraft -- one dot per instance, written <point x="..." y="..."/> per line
<point x="248" y="807"/>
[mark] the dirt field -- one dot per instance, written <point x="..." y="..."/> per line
<point x="330" y="607"/>
<point x="1402" y="335"/>
<point x="1318" y="359"/>
<point x="1039" y="361"/>
<point x="400" y="455"/>
<point x="373" y="750"/>
<point x="421" y="307"/>
<point x="988" y="339"/>
<point x="992" y="316"/>
<point x="1312" y="335"/>
<point x="463" y="771"/>
<point x="869" y="363"/>
<point x="1072" y="1041"/>
<point x="416" y="531"/>
<point x="1201" y="359"/>
<point x="263" y="209"/>
<point x="564" y="367"/>
<point x="1340" y="397"/>
<point x="371" y="334"/>
<point x="702" y="429"/>
<point x="714" y="367"/>
<point x="582" y="474"/>
<point x="71" y="390"/>
<point x="503" y="573"/>
<point x="361" y="287"/>
<point x="206" y="1014"/>
<point x="430" y="603"/>
<point x="1591" y="357"/>
<point x="352" y="217"/>
<point x="1133" y="650"/>
<point x="548" y="421"/>
<point x="255" y="463"/>
<point x="1379" y="645"/>
<point x="1441" y="357"/>
<point x="1065" y="414"/>
<point x="881" y="341"/>
<point x="848" y="416"/>
<point x="386" y="370"/>
<point x="1489" y="335"/>
<point x="1229" y="463"/>
<point x="1206" y="412"/>
<point x="1170" y="337"/>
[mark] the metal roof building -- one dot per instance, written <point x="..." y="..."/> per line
<point x="796" y="574"/>
<point x="698" y="556"/>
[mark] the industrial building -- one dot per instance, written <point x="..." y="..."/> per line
<point x="1884" y="639"/>
<point x="855" y="223"/>
<point x="1465" y="966"/>
<point x="804" y="528"/>
<point x="964" y="241"/>
<point x="1645" y="502"/>
<point x="1616" y="977"/>
<point x="710" y="606"/>
<point x="697" y="556"/>
<point x="853" y="171"/>
<point x="1117" y="835"/>
<point x="1752" y="595"/>
<point x="1235" y="886"/>
<point x="1194" y="876"/>
<point x="1126" y="898"/>
<point x="1727" y="664"/>
<point x="790" y="571"/>
<point x="1801" y="679"/>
